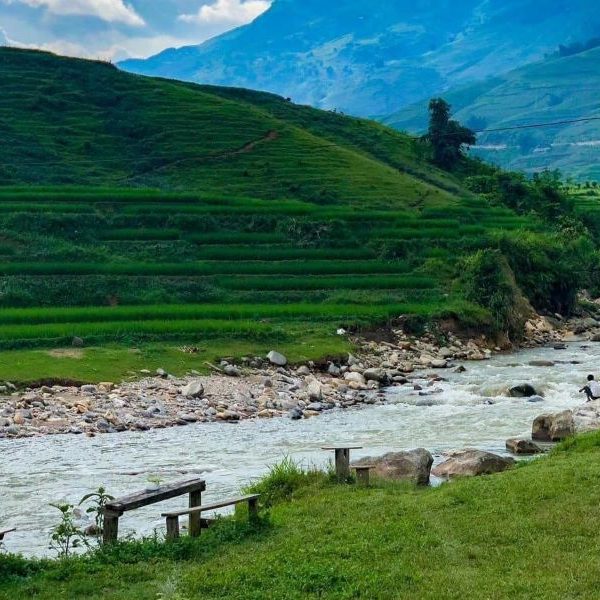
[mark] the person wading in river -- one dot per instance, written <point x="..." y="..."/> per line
<point x="592" y="389"/>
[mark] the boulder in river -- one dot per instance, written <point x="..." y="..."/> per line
<point x="412" y="465"/>
<point x="525" y="390"/>
<point x="541" y="363"/>
<point x="553" y="427"/>
<point x="521" y="446"/>
<point x="277" y="359"/>
<point x="470" y="463"/>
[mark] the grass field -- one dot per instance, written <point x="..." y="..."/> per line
<point x="527" y="533"/>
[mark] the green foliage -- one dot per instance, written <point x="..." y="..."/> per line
<point x="488" y="281"/>
<point x="66" y="536"/>
<point x="550" y="268"/>
<point x="98" y="500"/>
<point x="283" y="481"/>
<point x="446" y="136"/>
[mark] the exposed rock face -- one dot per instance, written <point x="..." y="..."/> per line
<point x="277" y="359"/>
<point x="471" y="462"/>
<point x="519" y="446"/>
<point x="524" y="390"/>
<point x="414" y="465"/>
<point x="553" y="427"/>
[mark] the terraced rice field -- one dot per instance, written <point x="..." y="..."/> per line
<point x="133" y="266"/>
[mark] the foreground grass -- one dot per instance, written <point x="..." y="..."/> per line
<point x="527" y="533"/>
<point x="120" y="362"/>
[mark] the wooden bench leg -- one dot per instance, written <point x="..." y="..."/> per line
<point x="110" y="531"/>
<point x="342" y="463"/>
<point x="362" y="476"/>
<point x="253" y="510"/>
<point x="172" y="529"/>
<point x="195" y="520"/>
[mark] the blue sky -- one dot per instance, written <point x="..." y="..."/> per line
<point x="118" y="29"/>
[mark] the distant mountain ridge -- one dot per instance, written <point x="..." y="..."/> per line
<point x="557" y="89"/>
<point x="348" y="56"/>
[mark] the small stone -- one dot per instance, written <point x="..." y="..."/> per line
<point x="295" y="414"/>
<point x="303" y="371"/>
<point x="89" y="389"/>
<point x="161" y="373"/>
<point x="231" y="371"/>
<point x="77" y="342"/>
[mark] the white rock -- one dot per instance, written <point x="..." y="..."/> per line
<point x="277" y="358"/>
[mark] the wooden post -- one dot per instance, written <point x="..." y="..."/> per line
<point x="362" y="476"/>
<point x="172" y="529"/>
<point x="110" y="531"/>
<point x="342" y="463"/>
<point x="195" y="519"/>
<point x="253" y="510"/>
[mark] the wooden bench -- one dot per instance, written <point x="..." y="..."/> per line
<point x="115" y="509"/>
<point x="5" y="532"/>
<point x="173" y="516"/>
<point x="342" y="460"/>
<point x="362" y="474"/>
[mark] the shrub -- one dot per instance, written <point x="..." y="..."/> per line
<point x="283" y="480"/>
<point x="488" y="280"/>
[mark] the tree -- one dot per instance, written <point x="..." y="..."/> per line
<point x="446" y="136"/>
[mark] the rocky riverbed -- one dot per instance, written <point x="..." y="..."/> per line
<point x="262" y="387"/>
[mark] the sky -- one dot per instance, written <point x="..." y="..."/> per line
<point x="119" y="29"/>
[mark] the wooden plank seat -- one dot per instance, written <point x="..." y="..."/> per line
<point x="115" y="509"/>
<point x="362" y="474"/>
<point x="6" y="532"/>
<point x="172" y="517"/>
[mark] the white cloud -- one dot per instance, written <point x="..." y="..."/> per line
<point x="112" y="11"/>
<point x="227" y="12"/>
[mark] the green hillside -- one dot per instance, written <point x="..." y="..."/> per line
<point x="69" y="121"/>
<point x="139" y="211"/>
<point x="556" y="89"/>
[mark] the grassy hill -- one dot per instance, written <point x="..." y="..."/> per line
<point x="556" y="89"/>
<point x="172" y="213"/>
<point x="78" y="122"/>
<point x="530" y="532"/>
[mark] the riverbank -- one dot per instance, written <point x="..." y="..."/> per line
<point x="262" y="387"/>
<point x="446" y="542"/>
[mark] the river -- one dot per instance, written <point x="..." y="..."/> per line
<point x="470" y="411"/>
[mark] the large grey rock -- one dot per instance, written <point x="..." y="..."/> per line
<point x="553" y="427"/>
<point x="194" y="389"/>
<point x="314" y="389"/>
<point x="375" y="374"/>
<point x="520" y="446"/>
<point x="413" y="465"/>
<point x="277" y="359"/>
<point x="470" y="463"/>
<point x="355" y="377"/>
<point x="525" y="390"/>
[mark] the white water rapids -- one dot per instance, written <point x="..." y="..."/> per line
<point x="37" y="471"/>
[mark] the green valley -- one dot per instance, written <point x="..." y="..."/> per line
<point x="137" y="210"/>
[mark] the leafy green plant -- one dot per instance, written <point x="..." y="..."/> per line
<point x="66" y="536"/>
<point x="98" y="499"/>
